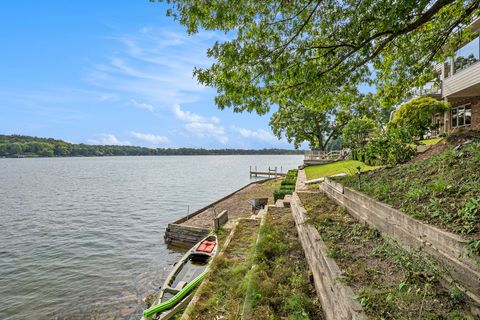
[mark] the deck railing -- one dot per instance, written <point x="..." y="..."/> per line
<point x="322" y="155"/>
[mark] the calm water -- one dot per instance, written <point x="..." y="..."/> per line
<point x="82" y="238"/>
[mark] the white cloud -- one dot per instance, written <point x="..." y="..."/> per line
<point x="148" y="137"/>
<point x="200" y="126"/>
<point x="188" y="116"/>
<point x="108" y="139"/>
<point x="143" y="105"/>
<point x="156" y="65"/>
<point x="260" y="134"/>
<point x="207" y="130"/>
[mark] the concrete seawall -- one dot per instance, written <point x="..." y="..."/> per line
<point x="191" y="228"/>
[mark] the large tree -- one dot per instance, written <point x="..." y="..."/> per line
<point x="321" y="119"/>
<point x="287" y="49"/>
<point x="300" y="123"/>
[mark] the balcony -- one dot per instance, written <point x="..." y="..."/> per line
<point x="462" y="72"/>
<point x="431" y="88"/>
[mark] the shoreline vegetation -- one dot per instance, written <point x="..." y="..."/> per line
<point x="19" y="146"/>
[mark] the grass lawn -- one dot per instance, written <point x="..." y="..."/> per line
<point x="325" y="170"/>
<point x="430" y="141"/>
<point x="280" y="287"/>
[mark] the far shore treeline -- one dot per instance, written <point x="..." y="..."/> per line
<point x="15" y="146"/>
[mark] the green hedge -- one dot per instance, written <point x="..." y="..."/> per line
<point x="287" y="185"/>
<point x="289" y="182"/>
<point x="280" y="194"/>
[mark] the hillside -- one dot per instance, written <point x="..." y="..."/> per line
<point x="16" y="146"/>
<point x="441" y="187"/>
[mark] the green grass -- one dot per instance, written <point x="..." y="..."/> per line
<point x="222" y="294"/>
<point x="443" y="190"/>
<point x="279" y="284"/>
<point x="346" y="166"/>
<point x="430" y="141"/>
<point x="388" y="281"/>
<point x="263" y="281"/>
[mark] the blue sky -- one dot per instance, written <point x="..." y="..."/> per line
<point x="112" y="72"/>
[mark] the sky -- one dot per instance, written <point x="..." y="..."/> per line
<point x="113" y="72"/>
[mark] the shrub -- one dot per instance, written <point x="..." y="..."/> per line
<point x="389" y="148"/>
<point x="443" y="134"/>
<point x="287" y="185"/>
<point x="289" y="182"/>
<point x="280" y="194"/>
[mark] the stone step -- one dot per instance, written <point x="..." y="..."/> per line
<point x="287" y="200"/>
<point x="279" y="203"/>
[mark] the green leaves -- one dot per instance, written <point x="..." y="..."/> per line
<point x="281" y="50"/>
<point x="416" y="115"/>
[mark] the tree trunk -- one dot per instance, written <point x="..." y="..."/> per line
<point x="321" y="146"/>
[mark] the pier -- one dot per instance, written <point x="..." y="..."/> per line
<point x="270" y="172"/>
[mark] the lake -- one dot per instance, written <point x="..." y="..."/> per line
<point x="82" y="238"/>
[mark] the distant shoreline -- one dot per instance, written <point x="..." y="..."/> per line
<point x="19" y="146"/>
<point x="154" y="155"/>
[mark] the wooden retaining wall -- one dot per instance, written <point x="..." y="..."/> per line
<point x="337" y="299"/>
<point x="445" y="247"/>
<point x="178" y="234"/>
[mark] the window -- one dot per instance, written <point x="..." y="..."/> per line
<point x="468" y="115"/>
<point x="467" y="55"/>
<point x="462" y="116"/>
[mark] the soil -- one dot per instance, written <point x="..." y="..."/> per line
<point x="389" y="282"/>
<point x="237" y="205"/>
<point x="453" y="139"/>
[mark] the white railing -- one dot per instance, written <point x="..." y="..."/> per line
<point x="323" y="155"/>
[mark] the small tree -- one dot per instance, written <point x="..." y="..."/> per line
<point x="356" y="134"/>
<point x="391" y="147"/>
<point x="416" y="115"/>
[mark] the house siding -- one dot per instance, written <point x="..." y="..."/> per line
<point x="461" y="80"/>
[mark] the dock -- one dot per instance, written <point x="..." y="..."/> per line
<point x="270" y="172"/>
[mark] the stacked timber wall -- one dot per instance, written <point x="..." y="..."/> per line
<point x="445" y="247"/>
<point x="337" y="299"/>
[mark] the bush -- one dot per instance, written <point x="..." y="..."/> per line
<point x="287" y="185"/>
<point x="280" y="194"/>
<point x="389" y="148"/>
<point x="443" y="134"/>
<point x="289" y="182"/>
<point x="416" y="115"/>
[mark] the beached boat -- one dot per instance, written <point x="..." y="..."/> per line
<point x="187" y="274"/>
